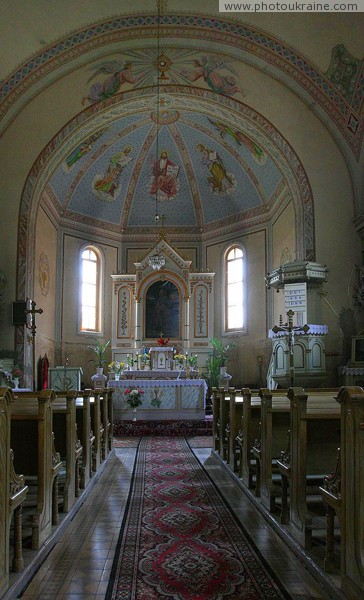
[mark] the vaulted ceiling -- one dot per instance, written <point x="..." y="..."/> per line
<point x="175" y="87"/>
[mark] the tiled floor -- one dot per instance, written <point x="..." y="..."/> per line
<point x="78" y="567"/>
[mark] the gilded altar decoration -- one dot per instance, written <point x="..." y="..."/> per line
<point x="44" y="273"/>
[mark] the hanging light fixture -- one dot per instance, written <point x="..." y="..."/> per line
<point x="157" y="260"/>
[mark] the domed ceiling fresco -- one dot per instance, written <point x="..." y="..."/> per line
<point x="201" y="160"/>
<point x="162" y="111"/>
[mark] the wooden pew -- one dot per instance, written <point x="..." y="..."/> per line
<point x="311" y="454"/>
<point x="216" y="418"/>
<point x="220" y="408"/>
<point x="97" y="428"/>
<point x="6" y="397"/>
<point x="35" y="456"/>
<point x="18" y="493"/>
<point x="12" y="495"/>
<point x="110" y="404"/>
<point x="67" y="443"/>
<point x="331" y="496"/>
<point x="106" y="407"/>
<point x="224" y="420"/>
<point x="235" y="425"/>
<point x="351" y="400"/>
<point x="246" y="436"/>
<point x="85" y="434"/>
<point x="275" y="420"/>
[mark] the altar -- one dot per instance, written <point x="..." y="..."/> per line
<point x="162" y="399"/>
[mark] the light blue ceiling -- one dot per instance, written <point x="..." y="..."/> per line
<point x="214" y="171"/>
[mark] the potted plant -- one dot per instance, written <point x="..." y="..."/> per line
<point x="101" y="352"/>
<point x="222" y="351"/>
<point x="213" y="371"/>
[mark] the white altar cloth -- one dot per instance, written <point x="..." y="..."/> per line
<point x="152" y="374"/>
<point x="177" y="398"/>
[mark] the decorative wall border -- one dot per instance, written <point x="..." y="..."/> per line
<point x="347" y="117"/>
<point x="291" y="167"/>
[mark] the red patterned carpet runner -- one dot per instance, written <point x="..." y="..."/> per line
<point x="179" y="539"/>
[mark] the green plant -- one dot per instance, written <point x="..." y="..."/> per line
<point x="213" y="371"/>
<point x="221" y="351"/>
<point x="100" y="351"/>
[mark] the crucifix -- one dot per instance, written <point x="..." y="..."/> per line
<point x="290" y="329"/>
<point x="33" y="311"/>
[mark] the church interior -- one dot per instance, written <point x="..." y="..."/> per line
<point x="183" y="192"/>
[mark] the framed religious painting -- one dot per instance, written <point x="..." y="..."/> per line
<point x="163" y="310"/>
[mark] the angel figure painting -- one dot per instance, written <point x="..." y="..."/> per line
<point x="220" y="180"/>
<point x="209" y="68"/>
<point x="118" y="73"/>
<point x="82" y="149"/>
<point x="240" y="138"/>
<point x="107" y="187"/>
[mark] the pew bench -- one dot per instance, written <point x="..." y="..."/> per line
<point x="35" y="456"/>
<point x="272" y="438"/>
<point x="13" y="492"/>
<point x="234" y="426"/>
<point x="331" y="495"/>
<point x="310" y="457"/>
<point x="68" y="444"/>
<point x="86" y="436"/>
<point x="246" y="436"/>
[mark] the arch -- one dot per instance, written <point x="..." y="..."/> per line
<point x="260" y="46"/>
<point x="35" y="188"/>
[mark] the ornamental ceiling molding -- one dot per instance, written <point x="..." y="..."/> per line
<point x="258" y="43"/>
<point x="95" y="116"/>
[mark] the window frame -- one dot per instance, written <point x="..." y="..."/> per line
<point x="99" y="288"/>
<point x="228" y="250"/>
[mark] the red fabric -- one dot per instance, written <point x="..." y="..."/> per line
<point x="44" y="372"/>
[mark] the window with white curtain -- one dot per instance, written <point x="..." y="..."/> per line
<point x="234" y="289"/>
<point x="90" y="293"/>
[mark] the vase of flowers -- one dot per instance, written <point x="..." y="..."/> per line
<point x="134" y="399"/>
<point x="116" y="367"/>
<point x="16" y="375"/>
<point x="130" y="361"/>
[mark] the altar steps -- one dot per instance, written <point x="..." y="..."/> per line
<point x="168" y="428"/>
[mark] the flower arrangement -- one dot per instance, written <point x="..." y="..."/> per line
<point x="192" y="361"/>
<point x="180" y="359"/>
<point x="116" y="366"/>
<point x="130" y="360"/>
<point x="16" y="372"/>
<point x="161" y="341"/>
<point x="134" y="397"/>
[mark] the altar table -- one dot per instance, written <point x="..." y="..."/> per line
<point x="177" y="399"/>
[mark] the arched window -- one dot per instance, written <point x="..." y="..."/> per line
<point x="90" y="292"/>
<point x="234" y="289"/>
